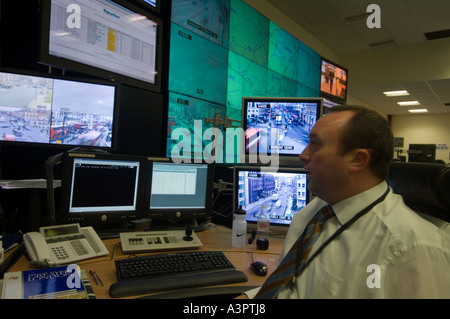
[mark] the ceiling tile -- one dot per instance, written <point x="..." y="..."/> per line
<point x="404" y="21"/>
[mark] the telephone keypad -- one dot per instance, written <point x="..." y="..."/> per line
<point x="60" y="252"/>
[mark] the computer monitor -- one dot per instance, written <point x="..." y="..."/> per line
<point x="101" y="189"/>
<point x="424" y="153"/>
<point x="333" y="81"/>
<point x="284" y="193"/>
<point x="112" y="39"/>
<point x="154" y="5"/>
<point x="55" y="110"/>
<point x="177" y="193"/>
<point x="278" y="125"/>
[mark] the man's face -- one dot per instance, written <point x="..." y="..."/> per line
<point x="328" y="168"/>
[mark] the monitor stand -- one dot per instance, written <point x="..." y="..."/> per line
<point x="113" y="230"/>
<point x="180" y="224"/>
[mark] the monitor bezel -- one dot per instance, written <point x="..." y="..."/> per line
<point x="284" y="159"/>
<point x="115" y="124"/>
<point x="327" y="95"/>
<point x="148" y="6"/>
<point x="275" y="228"/>
<point x="45" y="58"/>
<point x="97" y="218"/>
<point x="171" y="215"/>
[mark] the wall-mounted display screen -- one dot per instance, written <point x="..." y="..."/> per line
<point x="248" y="54"/>
<point x="105" y="38"/>
<point x="279" y="125"/>
<point x="333" y="81"/>
<point x="37" y="109"/>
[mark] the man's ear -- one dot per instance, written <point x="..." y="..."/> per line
<point x="360" y="159"/>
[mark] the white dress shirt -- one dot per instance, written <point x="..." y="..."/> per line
<point x="390" y="252"/>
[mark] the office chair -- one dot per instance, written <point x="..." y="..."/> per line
<point x="425" y="188"/>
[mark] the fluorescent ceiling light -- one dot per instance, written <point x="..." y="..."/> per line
<point x="396" y="93"/>
<point x="408" y="103"/>
<point x="418" y="111"/>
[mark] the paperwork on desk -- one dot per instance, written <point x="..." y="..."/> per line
<point x="27" y="183"/>
<point x="50" y="283"/>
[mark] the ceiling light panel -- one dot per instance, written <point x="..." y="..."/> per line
<point x="408" y="103"/>
<point x="418" y="111"/>
<point x="396" y="93"/>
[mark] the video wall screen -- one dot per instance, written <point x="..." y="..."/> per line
<point x="36" y="109"/>
<point x="247" y="53"/>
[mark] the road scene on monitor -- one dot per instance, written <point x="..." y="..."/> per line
<point x="283" y="194"/>
<point x="275" y="127"/>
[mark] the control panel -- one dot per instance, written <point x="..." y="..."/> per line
<point x="134" y="242"/>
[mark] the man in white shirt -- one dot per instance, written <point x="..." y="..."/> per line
<point x="387" y="252"/>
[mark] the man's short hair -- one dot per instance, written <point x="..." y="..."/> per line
<point x="370" y="130"/>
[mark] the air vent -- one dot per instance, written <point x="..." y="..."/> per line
<point x="357" y="18"/>
<point x="435" y="35"/>
<point x="382" y="44"/>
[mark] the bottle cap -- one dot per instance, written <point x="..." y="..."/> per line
<point x="240" y="211"/>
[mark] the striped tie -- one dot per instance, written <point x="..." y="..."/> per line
<point x="286" y="270"/>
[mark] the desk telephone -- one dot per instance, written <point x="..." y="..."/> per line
<point x="63" y="244"/>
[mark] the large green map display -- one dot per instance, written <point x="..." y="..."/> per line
<point x="223" y="50"/>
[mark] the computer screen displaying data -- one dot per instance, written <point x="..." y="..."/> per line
<point x="178" y="186"/>
<point x="102" y="185"/>
<point x="109" y="37"/>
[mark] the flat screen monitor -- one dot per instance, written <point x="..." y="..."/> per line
<point x="152" y="3"/>
<point x="178" y="191"/>
<point x="283" y="192"/>
<point x="112" y="39"/>
<point x="36" y="109"/>
<point x="424" y="153"/>
<point x="101" y="189"/>
<point x="333" y="81"/>
<point x="278" y="125"/>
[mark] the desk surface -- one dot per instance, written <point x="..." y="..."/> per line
<point x="217" y="239"/>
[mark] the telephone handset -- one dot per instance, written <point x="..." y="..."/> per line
<point x="37" y="249"/>
<point x="63" y="244"/>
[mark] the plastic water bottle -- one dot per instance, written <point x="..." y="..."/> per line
<point x="263" y="229"/>
<point x="239" y="228"/>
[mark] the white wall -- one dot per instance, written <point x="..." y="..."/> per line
<point x="423" y="129"/>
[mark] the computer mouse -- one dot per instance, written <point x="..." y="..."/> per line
<point x="259" y="268"/>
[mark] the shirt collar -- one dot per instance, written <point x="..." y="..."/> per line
<point x="349" y="207"/>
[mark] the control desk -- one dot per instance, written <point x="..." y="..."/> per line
<point x="218" y="239"/>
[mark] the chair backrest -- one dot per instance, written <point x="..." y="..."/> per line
<point x="425" y="187"/>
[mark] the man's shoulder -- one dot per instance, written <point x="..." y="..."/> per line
<point x="407" y="225"/>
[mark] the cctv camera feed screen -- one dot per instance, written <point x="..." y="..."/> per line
<point x="45" y="110"/>
<point x="333" y="80"/>
<point x="283" y="193"/>
<point x="279" y="126"/>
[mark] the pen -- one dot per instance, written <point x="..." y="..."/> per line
<point x="98" y="277"/>
<point x="95" y="279"/>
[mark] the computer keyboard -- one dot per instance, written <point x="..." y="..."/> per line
<point x="169" y="271"/>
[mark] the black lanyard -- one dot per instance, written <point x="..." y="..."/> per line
<point x="299" y="270"/>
